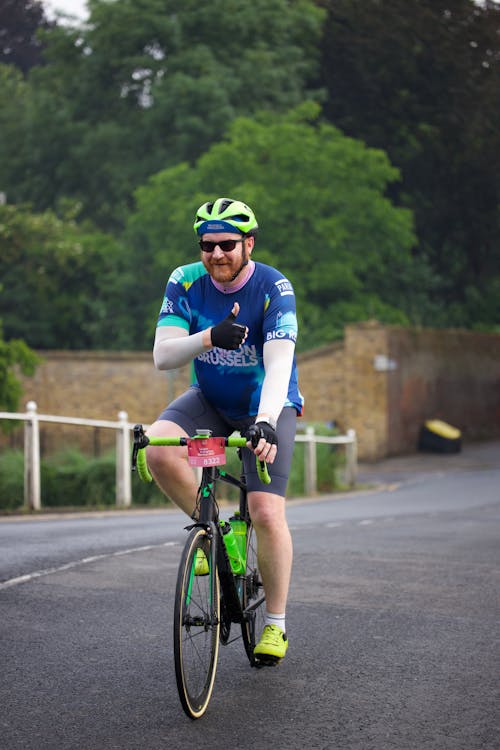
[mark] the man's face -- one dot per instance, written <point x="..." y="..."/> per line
<point x="221" y="265"/>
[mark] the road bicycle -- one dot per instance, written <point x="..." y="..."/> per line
<point x="218" y="581"/>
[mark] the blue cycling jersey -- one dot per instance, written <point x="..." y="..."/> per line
<point x="232" y="380"/>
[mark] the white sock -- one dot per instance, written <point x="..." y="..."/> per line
<point x="272" y="619"/>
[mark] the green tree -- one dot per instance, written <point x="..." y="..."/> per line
<point x="148" y="83"/>
<point x="35" y="130"/>
<point x="13" y="94"/>
<point x="15" y="357"/>
<point x="65" y="285"/>
<point x="325" y="220"/>
<point x="420" y="80"/>
<point x="20" y="21"/>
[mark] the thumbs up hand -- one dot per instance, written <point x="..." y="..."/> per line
<point x="227" y="334"/>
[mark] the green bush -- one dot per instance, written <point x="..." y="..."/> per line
<point x="328" y="461"/>
<point x="70" y="479"/>
<point x="11" y="480"/>
<point x="147" y="493"/>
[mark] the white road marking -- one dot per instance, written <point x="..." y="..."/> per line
<point x="84" y="561"/>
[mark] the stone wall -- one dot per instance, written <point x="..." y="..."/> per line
<point x="382" y="381"/>
<point x="366" y="399"/>
<point x="451" y="375"/>
<point x="385" y="382"/>
<point x="97" y="385"/>
<point x="322" y="383"/>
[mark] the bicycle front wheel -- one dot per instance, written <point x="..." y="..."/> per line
<point x="253" y="598"/>
<point x="196" y="623"/>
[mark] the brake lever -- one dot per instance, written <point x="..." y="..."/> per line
<point x="255" y="433"/>
<point x="141" y="440"/>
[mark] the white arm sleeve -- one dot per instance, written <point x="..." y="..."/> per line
<point x="174" y="347"/>
<point x="278" y="361"/>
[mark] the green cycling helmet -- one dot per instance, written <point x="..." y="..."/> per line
<point x="225" y="215"/>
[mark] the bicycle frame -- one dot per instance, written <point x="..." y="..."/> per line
<point x="208" y="511"/>
<point x="208" y="519"/>
<point x="210" y="594"/>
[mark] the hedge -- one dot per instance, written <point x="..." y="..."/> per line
<point x="72" y="480"/>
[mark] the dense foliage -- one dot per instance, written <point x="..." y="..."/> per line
<point x="319" y="197"/>
<point x="20" y="20"/>
<point x="113" y="133"/>
<point x="63" y="283"/>
<point x="148" y="83"/>
<point x="15" y="357"/>
<point x="421" y="80"/>
<point x="70" y="479"/>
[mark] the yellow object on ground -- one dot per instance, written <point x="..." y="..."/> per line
<point x="443" y="429"/>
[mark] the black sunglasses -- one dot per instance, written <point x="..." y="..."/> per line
<point x="225" y="245"/>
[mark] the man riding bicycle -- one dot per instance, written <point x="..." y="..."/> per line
<point x="236" y="320"/>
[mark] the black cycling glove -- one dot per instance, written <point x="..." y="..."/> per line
<point x="227" y="334"/>
<point x="261" y="430"/>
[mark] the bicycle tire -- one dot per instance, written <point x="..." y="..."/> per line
<point x="196" y="625"/>
<point x="253" y="597"/>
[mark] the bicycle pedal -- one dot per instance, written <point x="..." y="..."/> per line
<point x="265" y="661"/>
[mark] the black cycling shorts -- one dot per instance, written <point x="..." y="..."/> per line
<point x="192" y="412"/>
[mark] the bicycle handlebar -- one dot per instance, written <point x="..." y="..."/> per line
<point x="141" y="441"/>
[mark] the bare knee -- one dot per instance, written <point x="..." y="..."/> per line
<point x="161" y="459"/>
<point x="267" y="510"/>
<point x="165" y="460"/>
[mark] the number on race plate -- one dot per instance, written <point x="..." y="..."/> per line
<point x="206" y="452"/>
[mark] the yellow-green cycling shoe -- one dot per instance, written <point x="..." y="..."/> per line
<point x="201" y="567"/>
<point x="272" y="646"/>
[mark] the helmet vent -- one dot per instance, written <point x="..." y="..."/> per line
<point x="224" y="205"/>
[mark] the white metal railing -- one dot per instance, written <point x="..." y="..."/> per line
<point x="32" y="419"/>
<point x="32" y="484"/>
<point x="310" y="439"/>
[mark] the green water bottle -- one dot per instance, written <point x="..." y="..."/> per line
<point x="240" y="531"/>
<point x="237" y="564"/>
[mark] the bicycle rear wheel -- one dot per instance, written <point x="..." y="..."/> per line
<point x="196" y="625"/>
<point x="253" y="598"/>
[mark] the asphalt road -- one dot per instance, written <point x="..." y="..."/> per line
<point x="393" y="625"/>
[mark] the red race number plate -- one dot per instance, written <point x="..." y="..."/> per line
<point x="206" y="451"/>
